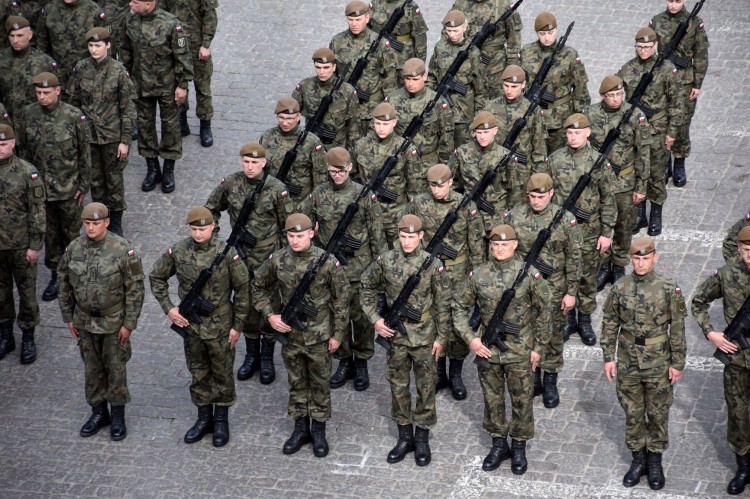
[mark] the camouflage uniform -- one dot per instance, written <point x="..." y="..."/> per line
<point x="411" y="29"/>
<point x="209" y="358"/>
<point x="32" y="9"/>
<point x="101" y="291"/>
<point x="7" y="8"/>
<point x="343" y="114"/>
<point x="116" y="12"/>
<point x="17" y="69"/>
<point x="644" y="319"/>
<point x="729" y="246"/>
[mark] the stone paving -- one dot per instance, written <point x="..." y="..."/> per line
<point x="262" y="50"/>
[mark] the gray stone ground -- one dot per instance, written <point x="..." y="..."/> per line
<point x="262" y="50"/>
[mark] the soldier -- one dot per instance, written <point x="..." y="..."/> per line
<point x="644" y="319"/>
<point x="503" y="47"/>
<point x="209" y="345"/>
<point x="529" y="313"/>
<point x="433" y="142"/>
<point x="691" y="57"/>
<point x="729" y="246"/>
<point x="55" y="137"/>
<point x="307" y="356"/>
<point x="156" y="52"/>
<point x="567" y="79"/>
<point x="265" y="222"/>
<point x="562" y="252"/>
<point x="101" y="87"/>
<point x="411" y="29"/>
<point x="308" y="169"/>
<point x="379" y="76"/>
<point x="116" y="12"/>
<point x="325" y="207"/>
<point x="101" y="295"/>
<point x="731" y="283"/>
<point x="200" y="20"/>
<point x="471" y="74"/>
<point x="565" y="166"/>
<point x="423" y="342"/>
<point x="342" y="119"/>
<point x="531" y="141"/>
<point x="630" y="153"/>
<point x="22" y="219"/>
<point x="663" y="103"/>
<point x="7" y="8"/>
<point x="465" y="236"/>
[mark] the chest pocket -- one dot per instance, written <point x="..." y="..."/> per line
<point x="628" y="305"/>
<point x="65" y="140"/>
<point x="110" y="277"/>
<point x="430" y="125"/>
<point x="186" y="270"/>
<point x="159" y="45"/>
<point x="78" y="274"/>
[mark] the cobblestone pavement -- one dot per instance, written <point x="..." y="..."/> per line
<point x="262" y="50"/>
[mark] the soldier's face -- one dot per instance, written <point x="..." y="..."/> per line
<point x="339" y="175"/>
<point x="414" y="84"/>
<point x="141" y="8"/>
<point x="645" y="49"/>
<point x="384" y="129"/>
<point x="643" y="264"/>
<point x="299" y="241"/>
<point x="540" y="200"/>
<point x="674" y="6"/>
<point x="613" y="99"/>
<point x="98" y="50"/>
<point x="441" y="191"/>
<point x="287" y="122"/>
<point x="6" y="148"/>
<point x="357" y="24"/>
<point x="577" y="137"/>
<point x="47" y="97"/>
<point x="201" y="234"/>
<point x="485" y="136"/>
<point x="324" y="70"/>
<point x="410" y="241"/>
<point x="513" y="91"/>
<point x="744" y="253"/>
<point x="503" y="250"/>
<point x="456" y="34"/>
<point x="547" y="38"/>
<point x="20" y="39"/>
<point x="96" y="229"/>
<point x="253" y="167"/>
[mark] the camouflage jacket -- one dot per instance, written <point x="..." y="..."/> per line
<point x="17" y="69"/>
<point x="101" y="284"/>
<point x="199" y="19"/>
<point x="532" y="139"/>
<point x="411" y="29"/>
<point x="228" y="288"/>
<point x="646" y="307"/>
<point x="529" y="310"/>
<point x="106" y="96"/>
<point x="388" y="274"/>
<point x="22" y="216"/>
<point x="7" y="8"/>
<point x="664" y="97"/>
<point x="329" y="293"/>
<point x="343" y="114"/>
<point x="57" y="142"/>
<point x="729" y="246"/>
<point x="693" y="47"/>
<point x="32" y="9"/>
<point x="309" y="168"/>
<point x="469" y="163"/>
<point x="266" y="220"/>
<point x="326" y="206"/>
<point x="562" y="251"/>
<point x="368" y="157"/>
<point x="566" y="79"/>
<point x="631" y="151"/>
<point x="156" y="52"/>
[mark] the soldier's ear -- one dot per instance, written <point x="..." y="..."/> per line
<point x="656" y="256"/>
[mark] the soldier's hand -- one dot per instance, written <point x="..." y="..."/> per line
<point x="277" y="324"/>
<point x="603" y="244"/>
<point x="437" y="349"/>
<point x="333" y="345"/>
<point x="180" y="96"/>
<point x="479" y="349"/>
<point x="73" y="331"/>
<point x="534" y="357"/>
<point x="204" y="53"/>
<point x="382" y="329"/>
<point x="122" y="151"/>
<point x="721" y="342"/>
<point x="674" y="375"/>
<point x="610" y="370"/>
<point x="694" y="92"/>
<point x="234" y="337"/>
<point x="176" y="318"/>
<point x="638" y="198"/>
<point x="568" y="303"/>
<point x="124" y="336"/>
<point x="668" y="142"/>
<point x="32" y="256"/>
<point x="80" y="197"/>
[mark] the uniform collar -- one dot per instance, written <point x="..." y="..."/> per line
<point x="644" y="278"/>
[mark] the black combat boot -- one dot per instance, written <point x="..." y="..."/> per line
<point x="28" y="347"/>
<point x="118" y="431"/>
<point x="641" y="222"/>
<point x="300" y="436"/>
<point x="221" y="426"/>
<point x="167" y="181"/>
<point x="318" y="435"/>
<point x="115" y="223"/>
<point x="203" y="426"/>
<point x="571" y="326"/>
<point x="454" y="378"/>
<point x="153" y="175"/>
<point x="518" y="463"/>
<point x="361" y="376"/>
<point x="267" y="369"/>
<point x="344" y="372"/>
<point x="550" y="398"/>
<point x="404" y="445"/>
<point x="7" y="342"/>
<point x="668" y="168"/>
<point x="655" y="471"/>
<point x="618" y="272"/>
<point x="252" y="359"/>
<point x="498" y="453"/>
<point x="98" y="420"/>
<point x="742" y="477"/>
<point x="50" y="292"/>
<point x="184" y="125"/>
<point x="637" y="469"/>
<point x="680" y="177"/>
<point x="422" y="453"/>
<point x="585" y="331"/>
<point x="538" y="387"/>
<point x="442" y="377"/>
<point x="207" y="137"/>
<point x="604" y="276"/>
<point x="654" y="225"/>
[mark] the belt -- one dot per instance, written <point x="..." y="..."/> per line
<point x="404" y="38"/>
<point x="101" y="312"/>
<point x="562" y="100"/>
<point x="644" y="341"/>
<point x="425" y="317"/>
<point x="627" y="171"/>
<point x="364" y="250"/>
<point x="267" y="241"/>
<point x="459" y="259"/>
<point x="658" y="115"/>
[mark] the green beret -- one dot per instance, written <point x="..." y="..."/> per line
<point x="6" y="132"/>
<point x="411" y="224"/>
<point x="287" y="105"/>
<point x="642" y="246"/>
<point x="200" y="216"/>
<point x="253" y="150"/>
<point x="503" y="233"/>
<point x="98" y="35"/>
<point x="298" y="222"/>
<point x="45" y="80"/>
<point x="484" y="120"/>
<point x="577" y="121"/>
<point x="94" y="211"/>
<point x="545" y="22"/>
<point x="384" y="112"/>
<point x="539" y="182"/>
<point x="413" y="67"/>
<point x="610" y="83"/>
<point x="16" y="22"/>
<point x="338" y="157"/>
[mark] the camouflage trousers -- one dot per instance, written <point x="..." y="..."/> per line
<point x="107" y="181"/>
<point x="591" y="260"/>
<point x="681" y="146"/>
<point x="308" y="373"/>
<point x="737" y="396"/>
<point x="520" y="381"/>
<point x="646" y="396"/>
<point x="656" y="190"/>
<point x="148" y="141"/>
<point x="401" y="358"/>
<point x="14" y="267"/>
<point x="203" y="71"/>
<point x="210" y="362"/>
<point x="456" y="347"/>
<point x="619" y="252"/>
<point x="104" y="367"/>
<point x="552" y="352"/>
<point x="359" y="342"/>
<point x="63" y="225"/>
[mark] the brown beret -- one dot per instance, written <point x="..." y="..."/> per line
<point x="410" y="224"/>
<point x="539" y="182"/>
<point x="45" y="80"/>
<point x="384" y="112"/>
<point x="98" y="35"/>
<point x="324" y="56"/>
<point x="254" y="150"/>
<point x="744" y="235"/>
<point x="338" y="157"/>
<point x="642" y="246"/>
<point x="611" y="82"/>
<point x="288" y="105"/>
<point x="645" y="35"/>
<point x="94" y="211"/>
<point x="356" y="8"/>
<point x="6" y="132"/>
<point x="16" y="22"/>
<point x="502" y="233"/>
<point x="577" y="121"/>
<point x="513" y="74"/>
<point x="439" y="174"/>
<point x="298" y="222"/>
<point x="484" y="120"/>
<point x="199" y="216"/>
<point x="545" y="22"/>
<point x="413" y="67"/>
<point x="454" y="18"/>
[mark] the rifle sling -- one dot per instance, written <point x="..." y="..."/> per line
<point x="459" y="259"/>
<point x="403" y="38"/>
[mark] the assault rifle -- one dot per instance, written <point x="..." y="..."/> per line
<point x="489" y="28"/>
<point x="737" y="330"/>
<point x="536" y="92"/>
<point x="239" y="235"/>
<point x="194" y="306"/>
<point x="520" y="124"/>
<point x="679" y="34"/>
<point x="315" y="125"/>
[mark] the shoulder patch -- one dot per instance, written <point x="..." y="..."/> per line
<point x="651" y="23"/>
<point x="178" y="28"/>
<point x="374" y="197"/>
<point x="573" y="222"/>
<point x="103" y="16"/>
<point x="270" y="256"/>
<point x="169" y="251"/>
<point x="235" y="258"/>
<point x="678" y="291"/>
<point x="318" y="147"/>
<point x="285" y="194"/>
<point x="355" y="92"/>
<point x="578" y="60"/>
<point x="35" y="176"/>
<point x="715" y="272"/>
<point x="701" y="26"/>
<point x="131" y="252"/>
<point x="414" y="153"/>
<point x="441" y="269"/>
<point x="420" y="12"/>
<point x="537" y="276"/>
<point x="471" y="274"/>
<point x="55" y="65"/>
<point x="338" y="264"/>
<point x="747" y="216"/>
<point x="674" y="71"/>
<point x="641" y="119"/>
<point x="378" y="260"/>
<point x="296" y="87"/>
<point x="474" y="212"/>
<point x="221" y="181"/>
<point x="83" y="118"/>
<point x="6" y="117"/>
<point x="444" y="105"/>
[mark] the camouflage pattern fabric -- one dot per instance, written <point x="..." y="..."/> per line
<point x="104" y="368"/>
<point x="729" y="246"/>
<point x="342" y="117"/>
<point x="411" y="29"/>
<point x="17" y="69"/>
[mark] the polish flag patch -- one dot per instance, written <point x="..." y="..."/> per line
<point x="296" y="87"/>
<point x="445" y="105"/>
<point x="285" y="194"/>
<point x="374" y="197"/>
<point x="578" y="60"/>
<point x="641" y="119"/>
<point x="537" y="276"/>
<point x="34" y="176"/>
<point x="674" y="71"/>
<point x="131" y="252"/>
<point x="701" y="26"/>
<point x="747" y="216"/>
<point x="178" y="28"/>
<point x="441" y="269"/>
<point x="420" y="13"/>
<point x="573" y="222"/>
<point x="414" y="153"/>
<point x="83" y="118"/>
<point x="318" y="147"/>
<point x="473" y="213"/>
<point x="471" y="274"/>
<point x="338" y="264"/>
<point x="169" y="251"/>
<point x="235" y="258"/>
<point x="678" y="291"/>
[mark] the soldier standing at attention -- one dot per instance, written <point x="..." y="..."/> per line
<point x="101" y="295"/>
<point x="7" y="8"/>
<point x="55" y="137"/>
<point x="731" y="283"/>
<point x="325" y="207"/>
<point x="567" y="79"/>
<point x="22" y="219"/>
<point x="529" y="313"/>
<point x="644" y="320"/>
<point x="411" y="29"/>
<point x="423" y="342"/>
<point x="307" y="356"/>
<point x="209" y="346"/>
<point x="101" y="87"/>
<point x="156" y="52"/>
<point x="265" y="222"/>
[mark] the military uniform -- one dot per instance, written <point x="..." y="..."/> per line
<point x="17" y="68"/>
<point x="342" y="117"/>
<point x="411" y="29"/>
<point x="7" y="8"/>
<point x="32" y="9"/>
<point x="729" y="246"/>
<point x="116" y="12"/>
